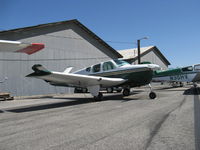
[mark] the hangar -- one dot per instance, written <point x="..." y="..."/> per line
<point x="148" y="54"/>
<point x="67" y="43"/>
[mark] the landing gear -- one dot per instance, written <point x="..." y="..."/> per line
<point x="195" y="85"/>
<point x="152" y="95"/>
<point x="126" y="92"/>
<point x="109" y="90"/>
<point x="99" y="97"/>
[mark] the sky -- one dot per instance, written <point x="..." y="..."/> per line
<point x="171" y="25"/>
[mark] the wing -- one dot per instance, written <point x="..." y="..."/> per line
<point x="16" y="46"/>
<point x="71" y="79"/>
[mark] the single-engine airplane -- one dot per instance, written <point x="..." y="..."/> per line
<point x="113" y="73"/>
<point x="21" y="47"/>
<point x="179" y="75"/>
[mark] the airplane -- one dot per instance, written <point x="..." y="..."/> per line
<point x="21" y="47"/>
<point x="113" y="73"/>
<point x="179" y="75"/>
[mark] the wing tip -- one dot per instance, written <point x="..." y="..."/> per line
<point x="33" y="48"/>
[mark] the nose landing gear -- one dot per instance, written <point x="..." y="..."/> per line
<point x="152" y="95"/>
<point x="126" y="92"/>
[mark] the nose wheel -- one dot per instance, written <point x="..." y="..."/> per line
<point x="152" y="95"/>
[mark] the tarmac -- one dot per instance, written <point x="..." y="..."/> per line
<point x="76" y="122"/>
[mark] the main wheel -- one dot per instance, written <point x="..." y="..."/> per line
<point x="99" y="97"/>
<point x="152" y="95"/>
<point x="109" y="90"/>
<point x="126" y="92"/>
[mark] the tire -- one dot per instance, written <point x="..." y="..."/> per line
<point x="109" y="90"/>
<point x="99" y="97"/>
<point x="126" y="92"/>
<point x="152" y="95"/>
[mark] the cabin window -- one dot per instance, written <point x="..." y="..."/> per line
<point x="190" y="68"/>
<point x="108" y="66"/>
<point x="121" y="62"/>
<point x="197" y="67"/>
<point x="88" y="69"/>
<point x="96" y="68"/>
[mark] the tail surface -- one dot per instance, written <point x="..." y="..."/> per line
<point x="39" y="70"/>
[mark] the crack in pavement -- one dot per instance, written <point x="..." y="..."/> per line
<point x="157" y="127"/>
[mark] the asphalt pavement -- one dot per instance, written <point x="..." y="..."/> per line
<point x="75" y="122"/>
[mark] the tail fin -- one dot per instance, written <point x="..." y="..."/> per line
<point x="39" y="70"/>
<point x="67" y="70"/>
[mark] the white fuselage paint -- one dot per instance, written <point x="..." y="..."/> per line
<point x="177" y="78"/>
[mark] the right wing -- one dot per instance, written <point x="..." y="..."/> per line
<point x="16" y="46"/>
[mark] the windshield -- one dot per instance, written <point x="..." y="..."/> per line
<point x="121" y="62"/>
<point x="190" y="68"/>
<point x="197" y="67"/>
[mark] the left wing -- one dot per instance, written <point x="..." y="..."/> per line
<point x="93" y="83"/>
<point x="16" y="46"/>
<point x="71" y="79"/>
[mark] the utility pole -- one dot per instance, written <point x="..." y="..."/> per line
<point x="138" y="45"/>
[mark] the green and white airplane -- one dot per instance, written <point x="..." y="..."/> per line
<point x="179" y="75"/>
<point x="109" y="74"/>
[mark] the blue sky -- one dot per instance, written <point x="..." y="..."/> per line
<point x="171" y="25"/>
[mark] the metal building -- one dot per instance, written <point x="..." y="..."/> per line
<point x="67" y="43"/>
<point x="148" y="54"/>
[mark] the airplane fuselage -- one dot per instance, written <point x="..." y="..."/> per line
<point x="135" y="75"/>
<point x="184" y="74"/>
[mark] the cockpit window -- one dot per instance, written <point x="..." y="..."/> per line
<point x="190" y="68"/>
<point x="96" y="68"/>
<point x="121" y="62"/>
<point x="108" y="66"/>
<point x="197" y="67"/>
<point x="88" y="69"/>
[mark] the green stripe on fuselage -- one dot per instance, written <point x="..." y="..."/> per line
<point x="134" y="77"/>
<point x="171" y="72"/>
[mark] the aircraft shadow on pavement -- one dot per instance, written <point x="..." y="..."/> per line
<point x="192" y="91"/>
<point x="51" y="106"/>
<point x="72" y="102"/>
<point x="170" y="89"/>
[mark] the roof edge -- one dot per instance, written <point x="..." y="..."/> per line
<point x="75" y="21"/>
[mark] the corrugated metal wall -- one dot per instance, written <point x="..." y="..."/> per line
<point x="66" y="45"/>
<point x="154" y="58"/>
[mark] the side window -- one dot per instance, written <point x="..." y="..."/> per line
<point x="88" y="69"/>
<point x="108" y="66"/>
<point x="96" y="68"/>
<point x="190" y="68"/>
<point x="197" y="67"/>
